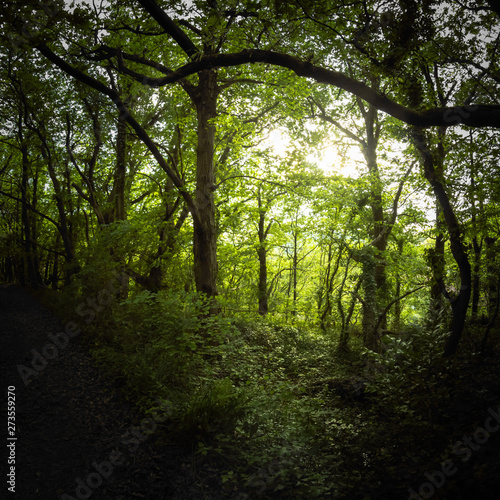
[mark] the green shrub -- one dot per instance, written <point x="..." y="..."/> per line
<point x="214" y="407"/>
<point x="407" y="377"/>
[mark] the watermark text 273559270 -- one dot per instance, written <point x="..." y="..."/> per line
<point x="11" y="438"/>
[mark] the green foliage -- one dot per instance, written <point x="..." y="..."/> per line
<point x="408" y="376"/>
<point x="267" y="398"/>
<point x="215" y="407"/>
<point x="157" y="343"/>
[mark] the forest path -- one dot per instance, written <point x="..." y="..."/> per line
<point x="75" y="433"/>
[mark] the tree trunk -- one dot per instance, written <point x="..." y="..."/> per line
<point x="69" y="248"/>
<point x="262" y="254"/>
<point x="477" y="243"/>
<point x="381" y="231"/>
<point x="369" y="263"/>
<point x="55" y="273"/>
<point x="294" y="274"/>
<point x="460" y="302"/>
<point x="119" y="188"/>
<point x="396" y="322"/>
<point x="326" y="310"/>
<point x="476" y="278"/>
<point x="205" y="234"/>
<point x="436" y="262"/>
<point x="120" y="169"/>
<point x="263" y="298"/>
<point x="492" y="269"/>
<point x="346" y="318"/>
<point x="33" y="273"/>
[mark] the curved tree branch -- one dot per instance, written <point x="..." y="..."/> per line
<point x="139" y="130"/>
<point x="164" y="20"/>
<point x="477" y="115"/>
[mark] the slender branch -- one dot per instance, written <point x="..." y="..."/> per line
<point x="139" y="130"/>
<point x="386" y="309"/>
<point x="7" y="163"/>
<point x="395" y="203"/>
<point x="165" y="21"/>
<point x="33" y="209"/>
<point x="135" y="30"/>
<point x="334" y="122"/>
<point x="141" y="197"/>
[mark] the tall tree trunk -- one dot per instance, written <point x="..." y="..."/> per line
<point x="294" y="274"/>
<point x="368" y="279"/>
<point x="55" y="272"/>
<point x="120" y="169"/>
<point x="263" y="292"/>
<point x="119" y="189"/>
<point x="326" y="289"/>
<point x="396" y="322"/>
<point x="262" y="255"/>
<point x="492" y="276"/>
<point x="476" y="277"/>
<point x="477" y="243"/>
<point x="33" y="273"/>
<point x="460" y="302"/>
<point x="437" y="263"/>
<point x="381" y="230"/>
<point x="346" y="318"/>
<point x="263" y="298"/>
<point x="205" y="234"/>
<point x="64" y="231"/>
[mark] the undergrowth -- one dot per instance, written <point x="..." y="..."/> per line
<point x="278" y="410"/>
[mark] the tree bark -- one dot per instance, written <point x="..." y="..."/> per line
<point x="492" y="273"/>
<point x="476" y="277"/>
<point x="205" y="234"/>
<point x="437" y="264"/>
<point x="325" y="310"/>
<point x="294" y="272"/>
<point x="30" y="260"/>
<point x="120" y="169"/>
<point x="477" y="241"/>
<point x="381" y="227"/>
<point x="460" y="302"/>
<point x="396" y="322"/>
<point x="368" y="279"/>
<point x="262" y="254"/>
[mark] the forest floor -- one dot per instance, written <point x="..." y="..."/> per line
<point x="77" y="437"/>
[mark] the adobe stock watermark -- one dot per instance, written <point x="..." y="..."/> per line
<point x="59" y="341"/>
<point x="131" y="439"/>
<point x="457" y="114"/>
<point x="463" y="448"/>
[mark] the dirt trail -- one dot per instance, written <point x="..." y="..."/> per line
<point x="75" y="434"/>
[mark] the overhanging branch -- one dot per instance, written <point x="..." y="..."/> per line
<point x="478" y="115"/>
<point x="139" y="130"/>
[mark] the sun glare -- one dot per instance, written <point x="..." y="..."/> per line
<point x="277" y="142"/>
<point x="328" y="159"/>
<point x="325" y="157"/>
